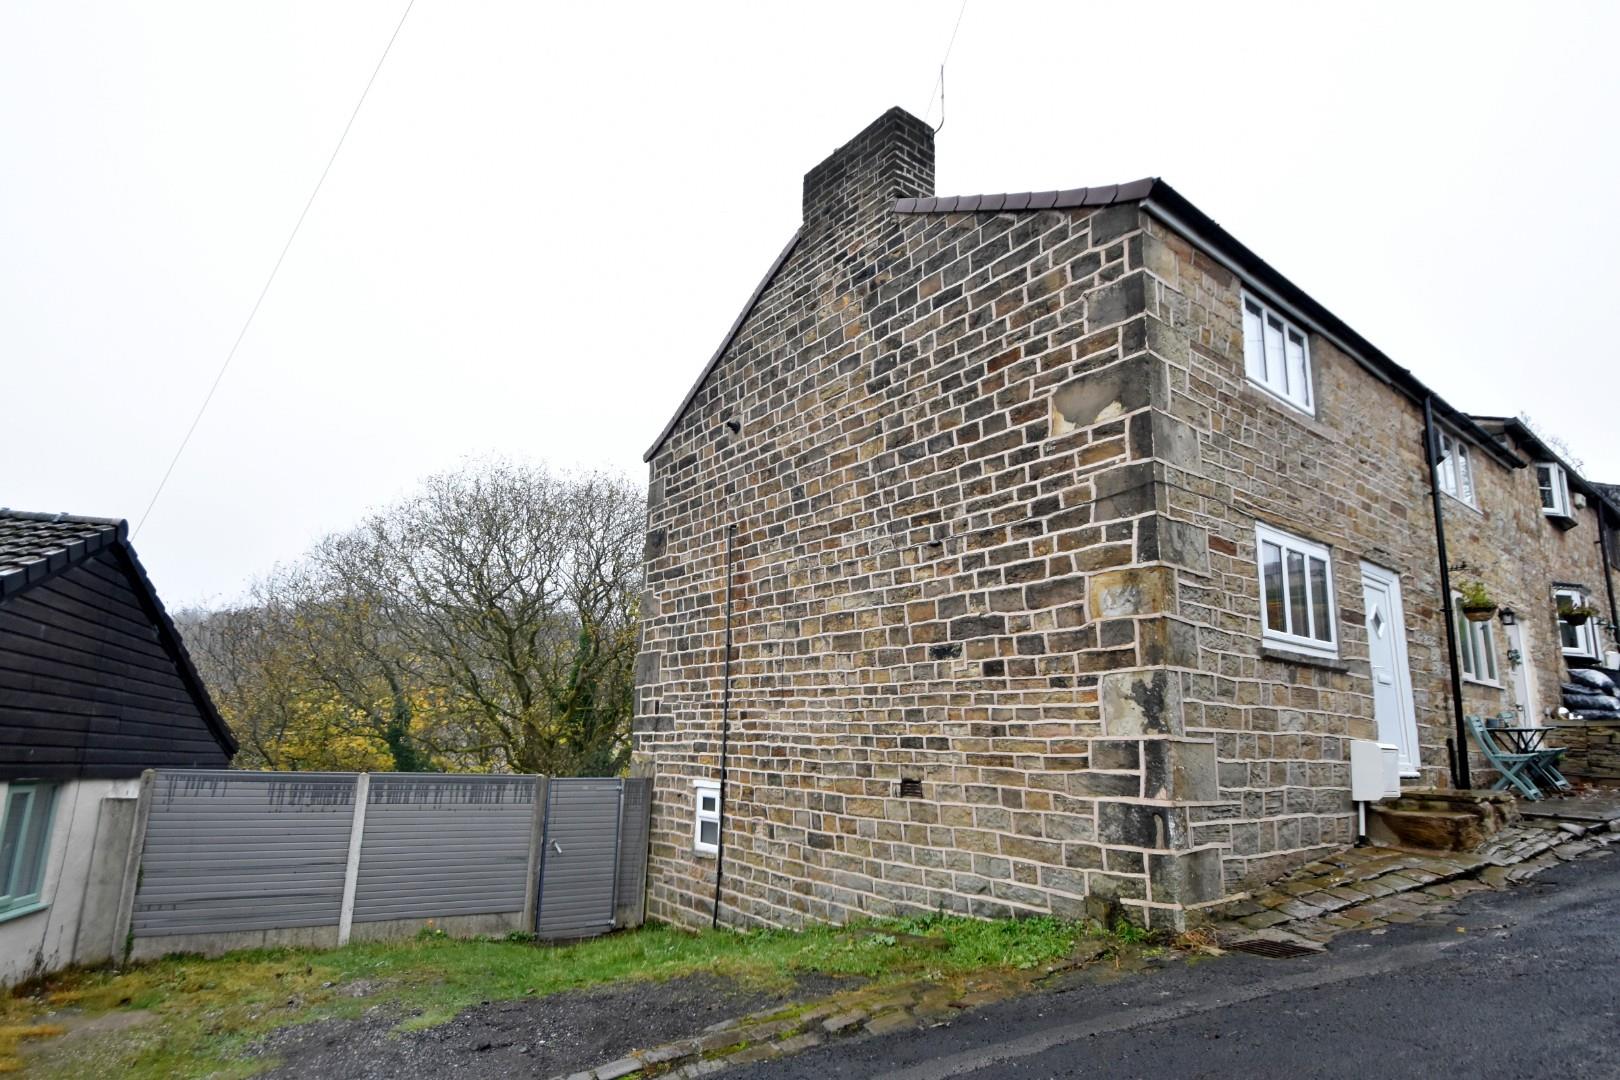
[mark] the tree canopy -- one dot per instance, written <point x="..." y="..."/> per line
<point x="485" y="622"/>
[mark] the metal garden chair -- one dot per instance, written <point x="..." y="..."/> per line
<point x="1517" y="767"/>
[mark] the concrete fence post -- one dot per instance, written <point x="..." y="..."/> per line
<point x="125" y="917"/>
<point x="537" y="833"/>
<point x="351" y="871"/>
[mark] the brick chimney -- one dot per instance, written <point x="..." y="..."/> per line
<point x="892" y="159"/>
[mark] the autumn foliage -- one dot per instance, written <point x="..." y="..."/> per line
<point x="487" y="622"/>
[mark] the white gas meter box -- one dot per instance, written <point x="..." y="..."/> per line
<point x="1375" y="770"/>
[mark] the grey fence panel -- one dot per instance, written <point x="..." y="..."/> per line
<point x="232" y="851"/>
<point x="441" y="845"/>
<point x="579" y="857"/>
<point x="630" y="904"/>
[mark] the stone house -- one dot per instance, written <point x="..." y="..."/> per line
<point x="1042" y="552"/>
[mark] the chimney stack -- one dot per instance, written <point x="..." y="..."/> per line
<point x="858" y="185"/>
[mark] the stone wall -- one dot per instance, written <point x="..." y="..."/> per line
<point x="987" y="487"/>
<point x="1351" y="477"/>
<point x="949" y="567"/>
<point x="1594" y="750"/>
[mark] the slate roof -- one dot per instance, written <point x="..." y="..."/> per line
<point x="36" y="547"/>
<point x="1107" y="195"/>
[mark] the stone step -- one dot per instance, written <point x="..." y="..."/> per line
<point x="1427" y="830"/>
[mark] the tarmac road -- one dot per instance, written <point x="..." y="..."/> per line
<point x="1530" y="988"/>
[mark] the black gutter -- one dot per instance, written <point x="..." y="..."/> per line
<point x="1182" y="215"/>
<point x="1459" y="755"/>
<point x="725" y="736"/>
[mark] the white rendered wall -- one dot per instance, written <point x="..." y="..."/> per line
<point x="46" y="940"/>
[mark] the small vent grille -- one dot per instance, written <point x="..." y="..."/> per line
<point x="1273" y="950"/>
<point x="910" y="787"/>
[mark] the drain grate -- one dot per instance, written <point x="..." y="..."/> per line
<point x="1273" y="949"/>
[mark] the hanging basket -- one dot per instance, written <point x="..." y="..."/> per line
<point x="1479" y="614"/>
<point x="1575" y="618"/>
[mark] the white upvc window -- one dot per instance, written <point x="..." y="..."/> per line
<point x="1476" y="647"/>
<point x="1579" y="640"/>
<point x="1455" y="471"/>
<point x="1277" y="355"/>
<point x="25" y="844"/>
<point x="706" y="816"/>
<point x="1554" y="485"/>
<point x="1296" y="593"/>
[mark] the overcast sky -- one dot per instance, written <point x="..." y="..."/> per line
<point x="546" y="216"/>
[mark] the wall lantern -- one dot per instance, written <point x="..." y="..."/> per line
<point x="1509" y="616"/>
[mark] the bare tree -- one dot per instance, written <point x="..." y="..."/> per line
<point x="485" y="622"/>
<point x="514" y="588"/>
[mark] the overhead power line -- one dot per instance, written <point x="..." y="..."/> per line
<point x="269" y="280"/>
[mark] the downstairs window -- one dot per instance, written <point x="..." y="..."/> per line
<point x="1296" y="593"/>
<point x="25" y="841"/>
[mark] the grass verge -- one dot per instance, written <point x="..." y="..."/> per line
<point x="198" y="1017"/>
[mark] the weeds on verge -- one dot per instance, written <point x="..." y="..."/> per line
<point x="205" y="1013"/>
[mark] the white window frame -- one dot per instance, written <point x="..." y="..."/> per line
<point x="702" y="791"/>
<point x="1586" y="633"/>
<point x="1557" y="486"/>
<point x="33" y="836"/>
<point x="1307" y="644"/>
<point x="1476" y="648"/>
<point x="1274" y="373"/>
<point x="1454" y="472"/>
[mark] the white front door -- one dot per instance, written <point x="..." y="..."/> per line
<point x="1386" y="654"/>
<point x="1524" y="679"/>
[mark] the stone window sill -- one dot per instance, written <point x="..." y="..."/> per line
<point x="1268" y="652"/>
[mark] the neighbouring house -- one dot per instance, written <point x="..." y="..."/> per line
<point x="95" y="687"/>
<point x="1044" y="552"/>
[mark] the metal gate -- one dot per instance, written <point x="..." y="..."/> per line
<point x="580" y="857"/>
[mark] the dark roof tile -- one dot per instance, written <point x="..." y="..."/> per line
<point x="49" y="541"/>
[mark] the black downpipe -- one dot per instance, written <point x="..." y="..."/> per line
<point x="725" y="734"/>
<point x="1459" y="758"/>
<point x="1608" y="577"/>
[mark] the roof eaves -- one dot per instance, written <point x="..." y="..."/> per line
<point x="731" y="335"/>
<point x="114" y="534"/>
<point x="176" y="646"/>
<point x="1158" y="196"/>
<point x="1180" y="214"/>
<point x="1544" y="452"/>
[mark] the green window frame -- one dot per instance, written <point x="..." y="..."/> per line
<point x="25" y="846"/>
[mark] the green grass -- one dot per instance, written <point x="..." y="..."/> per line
<point x="206" y="1011"/>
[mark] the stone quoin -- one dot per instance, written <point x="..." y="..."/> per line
<point x="981" y="485"/>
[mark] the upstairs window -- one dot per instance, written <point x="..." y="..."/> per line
<point x="1578" y="639"/>
<point x="1455" y="471"/>
<point x="1476" y="647"/>
<point x="1554" y="485"/>
<point x="1296" y="593"/>
<point x="25" y="840"/>
<point x="1277" y="355"/>
<point x="706" y="820"/>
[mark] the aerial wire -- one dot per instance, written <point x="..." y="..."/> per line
<point x="938" y="89"/>
<point x="268" y="281"/>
